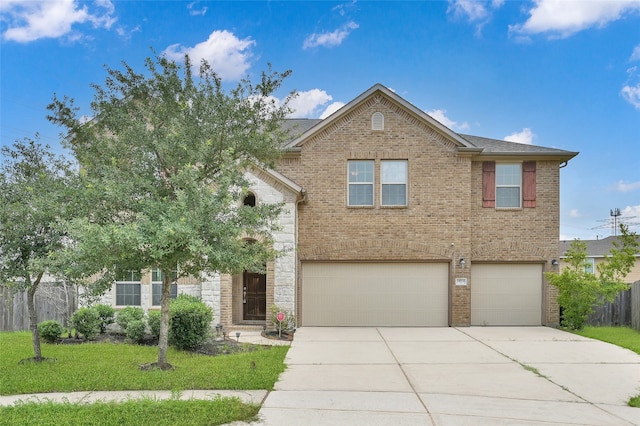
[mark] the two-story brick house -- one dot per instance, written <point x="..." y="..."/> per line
<point x="393" y="219"/>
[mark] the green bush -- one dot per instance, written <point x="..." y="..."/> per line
<point x="190" y="322"/>
<point x="107" y="316"/>
<point x="128" y="314"/>
<point x="86" y="321"/>
<point x="50" y="330"/>
<point x="136" y="329"/>
<point x="153" y="319"/>
<point x="288" y="324"/>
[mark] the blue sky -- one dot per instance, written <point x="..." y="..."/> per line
<point x="563" y="74"/>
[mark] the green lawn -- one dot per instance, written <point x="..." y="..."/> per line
<point x="625" y="337"/>
<point x="111" y="366"/>
<point x="621" y="336"/>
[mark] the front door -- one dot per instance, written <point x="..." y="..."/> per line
<point x="254" y="296"/>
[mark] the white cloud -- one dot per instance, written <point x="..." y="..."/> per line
<point x="331" y="39"/>
<point x="195" y="12"/>
<point x="227" y="55"/>
<point x="333" y="107"/>
<point x="631" y="211"/>
<point x="473" y="10"/>
<point x="574" y="213"/>
<point x="622" y="186"/>
<point x="305" y="103"/>
<point x="635" y="55"/>
<point x="525" y="136"/>
<point x="564" y="18"/>
<point x="632" y="95"/>
<point x="32" y="20"/>
<point x="440" y="115"/>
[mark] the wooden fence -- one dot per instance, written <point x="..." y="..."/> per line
<point x="53" y="302"/>
<point x="623" y="311"/>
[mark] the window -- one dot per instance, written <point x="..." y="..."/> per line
<point x="589" y="265"/>
<point x="128" y="288"/>
<point x="360" y="182"/>
<point x="249" y="200"/>
<point x="156" y="286"/>
<point x="508" y="185"/>
<point x="394" y="182"/>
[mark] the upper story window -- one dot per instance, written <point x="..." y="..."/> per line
<point x="377" y="121"/>
<point x="360" y="182"/>
<point x="508" y="185"/>
<point x="394" y="182"/>
<point x="128" y="288"/>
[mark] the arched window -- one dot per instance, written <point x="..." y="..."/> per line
<point x="249" y="200"/>
<point x="377" y="121"/>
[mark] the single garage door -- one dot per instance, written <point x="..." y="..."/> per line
<point x="506" y="294"/>
<point x="374" y="294"/>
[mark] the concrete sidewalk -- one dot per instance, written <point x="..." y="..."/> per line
<point x="453" y="376"/>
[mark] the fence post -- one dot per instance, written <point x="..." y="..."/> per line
<point x="635" y="305"/>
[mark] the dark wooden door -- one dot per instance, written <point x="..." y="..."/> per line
<point x="254" y="296"/>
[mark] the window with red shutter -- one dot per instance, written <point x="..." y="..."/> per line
<point x="489" y="184"/>
<point x="529" y="183"/>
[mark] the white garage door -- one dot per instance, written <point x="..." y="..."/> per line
<point x="374" y="294"/>
<point x="506" y="294"/>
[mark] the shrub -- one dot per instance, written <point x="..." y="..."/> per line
<point x="287" y="324"/>
<point x="86" y="322"/>
<point x="50" y="330"/>
<point x="136" y="329"/>
<point x="127" y="315"/>
<point x="190" y="322"/>
<point x="153" y="319"/>
<point x="107" y="316"/>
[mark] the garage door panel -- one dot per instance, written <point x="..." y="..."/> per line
<point x="374" y="294"/>
<point x="506" y="294"/>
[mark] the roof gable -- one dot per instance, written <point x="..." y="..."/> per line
<point x="379" y="93"/>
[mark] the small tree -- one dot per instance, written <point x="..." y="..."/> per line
<point x="580" y="291"/>
<point x="163" y="169"/>
<point x="34" y="201"/>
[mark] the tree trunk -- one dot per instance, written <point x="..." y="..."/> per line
<point x="33" y="316"/>
<point x="163" y="340"/>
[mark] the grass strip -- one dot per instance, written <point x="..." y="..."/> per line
<point x="139" y="412"/>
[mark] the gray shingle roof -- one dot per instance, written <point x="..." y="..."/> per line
<point x="595" y="248"/>
<point x="495" y="146"/>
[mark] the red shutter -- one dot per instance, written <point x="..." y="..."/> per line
<point x="529" y="183"/>
<point x="488" y="184"/>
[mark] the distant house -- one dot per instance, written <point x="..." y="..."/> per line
<point x="393" y="219"/>
<point x="597" y="250"/>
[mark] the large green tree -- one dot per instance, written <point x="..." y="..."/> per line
<point x="579" y="290"/>
<point x="35" y="199"/>
<point x="163" y="165"/>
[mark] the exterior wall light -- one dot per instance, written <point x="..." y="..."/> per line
<point x="462" y="262"/>
<point x="555" y="263"/>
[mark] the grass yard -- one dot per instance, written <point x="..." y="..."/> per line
<point x="625" y="337"/>
<point x="115" y="366"/>
<point x="621" y="336"/>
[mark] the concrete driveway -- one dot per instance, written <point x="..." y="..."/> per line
<point x="453" y="376"/>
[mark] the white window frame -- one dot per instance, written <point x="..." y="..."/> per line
<point x="500" y="185"/>
<point x="155" y="273"/>
<point x="404" y="182"/>
<point x="134" y="278"/>
<point x="590" y="265"/>
<point x="352" y="184"/>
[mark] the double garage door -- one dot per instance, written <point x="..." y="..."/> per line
<point x="374" y="294"/>
<point x="416" y="294"/>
